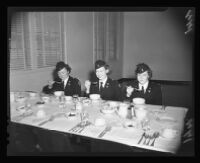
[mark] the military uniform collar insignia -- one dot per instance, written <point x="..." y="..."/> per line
<point x="107" y="84"/>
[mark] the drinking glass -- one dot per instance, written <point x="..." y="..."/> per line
<point x="75" y="98"/>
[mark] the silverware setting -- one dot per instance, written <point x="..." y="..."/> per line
<point x="80" y="127"/>
<point x="148" y="138"/>
<point x="52" y="117"/>
<point x="48" y="120"/>
<point x="108" y="128"/>
<point x="22" y="116"/>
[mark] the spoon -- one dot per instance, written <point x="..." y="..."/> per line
<point x="143" y="135"/>
<point x="150" y="137"/>
<point x="155" y="135"/>
<point x="146" y="137"/>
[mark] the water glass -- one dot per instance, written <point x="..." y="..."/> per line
<point x="75" y="98"/>
<point x="84" y="117"/>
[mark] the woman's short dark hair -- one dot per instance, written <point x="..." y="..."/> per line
<point x="60" y="65"/>
<point x="100" y="63"/>
<point x="142" y="67"/>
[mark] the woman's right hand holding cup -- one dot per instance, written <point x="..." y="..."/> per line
<point x="87" y="86"/>
<point x="50" y="84"/>
<point x="129" y="91"/>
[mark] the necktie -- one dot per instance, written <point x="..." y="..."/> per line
<point x="101" y="86"/>
<point x="63" y="83"/>
<point x="142" y="89"/>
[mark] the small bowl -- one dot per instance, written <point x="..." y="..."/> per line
<point x="138" y="101"/>
<point x="108" y="110"/>
<point x="20" y="99"/>
<point x="40" y="114"/>
<point x="86" y="102"/>
<point x="58" y="93"/>
<point x="169" y="133"/>
<point x="95" y="96"/>
<point x="21" y="109"/>
<point x="68" y="98"/>
<point x="45" y="99"/>
<point x="113" y="104"/>
<point x="32" y="94"/>
<point x="100" y="122"/>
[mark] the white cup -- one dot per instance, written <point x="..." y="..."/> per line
<point x="140" y="113"/>
<point x="79" y="106"/>
<point x="123" y="110"/>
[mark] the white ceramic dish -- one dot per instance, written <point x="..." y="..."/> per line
<point x="108" y="111"/>
<point x="32" y="94"/>
<point x="113" y="104"/>
<point x="138" y="101"/>
<point x="100" y="122"/>
<point x="20" y="99"/>
<point x="21" y="109"/>
<point x="169" y="133"/>
<point x="58" y="93"/>
<point x="95" y="96"/>
<point x="68" y="98"/>
<point x="40" y="114"/>
<point x="45" y="99"/>
<point x="86" y="102"/>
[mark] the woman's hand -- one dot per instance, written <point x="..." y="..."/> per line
<point x="87" y="86"/>
<point x="129" y="91"/>
<point x="50" y="84"/>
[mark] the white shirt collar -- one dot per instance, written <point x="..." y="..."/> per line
<point x="65" y="81"/>
<point x="104" y="81"/>
<point x="145" y="86"/>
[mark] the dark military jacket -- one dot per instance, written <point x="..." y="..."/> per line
<point x="111" y="90"/>
<point x="153" y="94"/>
<point x="72" y="87"/>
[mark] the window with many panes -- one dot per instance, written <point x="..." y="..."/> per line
<point x="36" y="40"/>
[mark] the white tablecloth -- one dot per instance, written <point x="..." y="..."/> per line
<point x="118" y="133"/>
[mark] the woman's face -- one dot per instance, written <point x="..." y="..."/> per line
<point x="143" y="77"/>
<point x="63" y="74"/>
<point x="101" y="73"/>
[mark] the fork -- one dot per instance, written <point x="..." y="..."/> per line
<point x="108" y="128"/>
<point x="156" y="135"/>
<point x="83" y="127"/>
<point x="143" y="135"/>
<point x="48" y="120"/>
<point x="75" y="127"/>
<point x="150" y="138"/>
<point x="146" y="136"/>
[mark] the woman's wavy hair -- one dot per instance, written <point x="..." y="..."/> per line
<point x="142" y="67"/>
<point x="60" y="65"/>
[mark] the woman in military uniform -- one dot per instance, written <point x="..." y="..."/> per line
<point x="63" y="82"/>
<point x="107" y="88"/>
<point x="143" y="87"/>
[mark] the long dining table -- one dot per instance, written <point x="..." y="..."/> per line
<point x="67" y="116"/>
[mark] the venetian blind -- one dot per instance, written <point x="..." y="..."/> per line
<point x="37" y="40"/>
<point x="49" y="39"/>
<point x="20" y="42"/>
